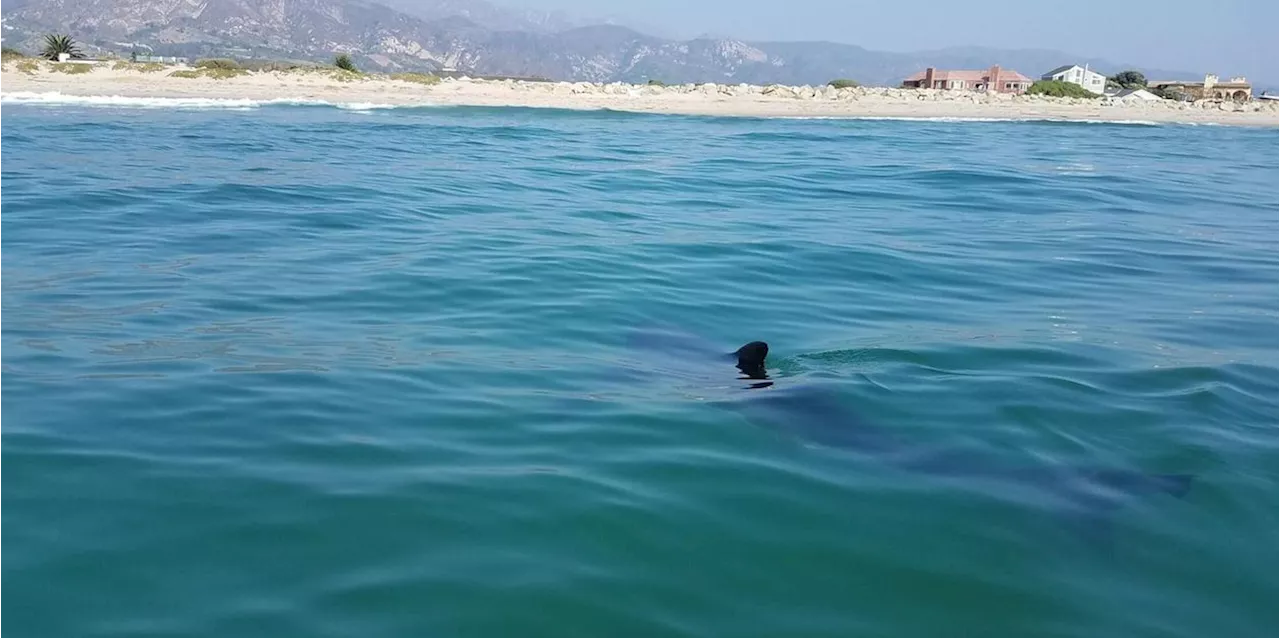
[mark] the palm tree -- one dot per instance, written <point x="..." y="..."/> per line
<point x="55" y="45"/>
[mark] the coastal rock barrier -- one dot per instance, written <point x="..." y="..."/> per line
<point x="847" y="94"/>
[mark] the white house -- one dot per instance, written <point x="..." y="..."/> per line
<point x="1076" y="74"/>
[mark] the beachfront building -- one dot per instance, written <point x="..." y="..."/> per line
<point x="1091" y="81"/>
<point x="163" y="59"/>
<point x="993" y="79"/>
<point x="1236" y="88"/>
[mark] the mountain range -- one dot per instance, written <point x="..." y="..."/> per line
<point x="479" y="38"/>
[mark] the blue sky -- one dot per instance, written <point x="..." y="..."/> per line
<point x="1228" y="37"/>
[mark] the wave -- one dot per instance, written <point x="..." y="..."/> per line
<point x="238" y="104"/>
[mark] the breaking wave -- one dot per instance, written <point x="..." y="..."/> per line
<point x="55" y="98"/>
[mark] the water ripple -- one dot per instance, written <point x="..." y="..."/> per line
<point x="302" y="371"/>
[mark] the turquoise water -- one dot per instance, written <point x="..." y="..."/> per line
<point x="302" y="371"/>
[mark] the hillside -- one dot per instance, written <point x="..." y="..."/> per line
<point x="473" y="36"/>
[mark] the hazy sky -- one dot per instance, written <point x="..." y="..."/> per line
<point x="1228" y="37"/>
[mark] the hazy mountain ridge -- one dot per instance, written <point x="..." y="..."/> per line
<point x="477" y="37"/>
<point x="488" y="15"/>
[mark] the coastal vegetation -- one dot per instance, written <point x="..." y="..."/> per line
<point x="1172" y="93"/>
<point x="55" y="45"/>
<point x="213" y="73"/>
<point x="416" y="78"/>
<point x="656" y="83"/>
<point x="343" y="61"/>
<point x="212" y="68"/>
<point x="217" y="63"/>
<point x="28" y="65"/>
<point x="141" y="67"/>
<point x="343" y="75"/>
<point x="1128" y="80"/>
<point x="8" y="55"/>
<point x="71" y="68"/>
<point x="277" y="65"/>
<point x="844" y="83"/>
<point x="1058" y="88"/>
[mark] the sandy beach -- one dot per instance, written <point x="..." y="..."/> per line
<point x="26" y="80"/>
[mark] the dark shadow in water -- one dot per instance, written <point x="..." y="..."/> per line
<point x="1082" y="498"/>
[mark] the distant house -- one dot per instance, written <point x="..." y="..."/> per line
<point x="1079" y="75"/>
<point x="1237" y="88"/>
<point x="66" y="58"/>
<point x="993" y="79"/>
<point x="164" y="59"/>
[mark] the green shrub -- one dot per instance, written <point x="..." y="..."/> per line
<point x="211" y="73"/>
<point x="1172" y="93"/>
<point x="656" y="83"/>
<point x="140" y="67"/>
<point x="1058" y="88"/>
<point x="417" y="78"/>
<point x="1128" y="80"/>
<point x="844" y="83"/>
<point x="343" y="75"/>
<point x="343" y="61"/>
<point x="9" y="53"/>
<point x="274" y="65"/>
<point x="217" y="63"/>
<point x="72" y="68"/>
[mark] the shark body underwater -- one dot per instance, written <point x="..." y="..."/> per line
<point x="1083" y="498"/>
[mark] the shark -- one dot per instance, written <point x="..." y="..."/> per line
<point x="1086" y="498"/>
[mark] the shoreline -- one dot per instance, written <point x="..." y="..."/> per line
<point x="129" y="83"/>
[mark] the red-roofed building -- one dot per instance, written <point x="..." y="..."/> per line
<point x="993" y="79"/>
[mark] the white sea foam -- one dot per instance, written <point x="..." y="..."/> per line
<point x="365" y="106"/>
<point x="239" y="104"/>
<point x="1134" y="122"/>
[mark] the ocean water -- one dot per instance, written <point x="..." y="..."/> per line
<point x="293" y="370"/>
